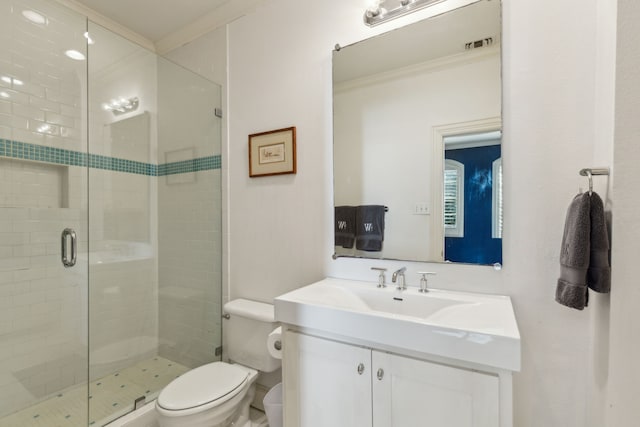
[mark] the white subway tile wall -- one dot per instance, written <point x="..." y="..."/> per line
<point x="134" y="307"/>
<point x="189" y="221"/>
<point x="190" y="269"/>
<point x="43" y="309"/>
<point x="123" y="270"/>
<point x="42" y="86"/>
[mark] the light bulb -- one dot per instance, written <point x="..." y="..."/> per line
<point x="34" y="17"/>
<point x="373" y="9"/>
<point x="89" y="39"/>
<point x="74" y="54"/>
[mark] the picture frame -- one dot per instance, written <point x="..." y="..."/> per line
<point x="272" y="152"/>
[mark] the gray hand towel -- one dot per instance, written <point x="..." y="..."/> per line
<point x="574" y="254"/>
<point x="370" y="227"/>
<point x="599" y="271"/>
<point x="345" y="226"/>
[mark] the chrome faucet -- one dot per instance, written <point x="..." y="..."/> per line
<point x="381" y="278"/>
<point x="399" y="276"/>
<point x="423" y="280"/>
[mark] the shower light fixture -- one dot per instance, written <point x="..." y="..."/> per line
<point x="11" y="80"/>
<point x="121" y="105"/>
<point x="74" y="54"/>
<point x="34" y="17"/>
<point x="385" y="10"/>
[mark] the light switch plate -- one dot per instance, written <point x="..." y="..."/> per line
<point x="421" y="209"/>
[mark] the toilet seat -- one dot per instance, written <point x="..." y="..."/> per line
<point x="209" y="385"/>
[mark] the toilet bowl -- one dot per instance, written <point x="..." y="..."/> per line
<point x="218" y="394"/>
<point x="214" y="395"/>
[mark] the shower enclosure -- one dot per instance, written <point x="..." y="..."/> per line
<point x="110" y="229"/>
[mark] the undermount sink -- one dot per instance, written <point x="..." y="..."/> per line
<point x="471" y="327"/>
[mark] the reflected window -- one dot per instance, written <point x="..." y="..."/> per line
<point x="453" y="198"/>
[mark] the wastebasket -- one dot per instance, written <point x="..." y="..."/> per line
<point x="273" y="405"/>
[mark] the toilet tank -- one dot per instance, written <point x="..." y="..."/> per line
<point x="246" y="330"/>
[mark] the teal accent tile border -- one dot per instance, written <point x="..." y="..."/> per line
<point x="193" y="165"/>
<point x="40" y="153"/>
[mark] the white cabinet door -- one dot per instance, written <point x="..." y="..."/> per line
<point x="414" y="393"/>
<point x="327" y="384"/>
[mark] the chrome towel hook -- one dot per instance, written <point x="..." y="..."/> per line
<point x="590" y="172"/>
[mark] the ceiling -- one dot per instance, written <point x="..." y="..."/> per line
<point x="153" y="19"/>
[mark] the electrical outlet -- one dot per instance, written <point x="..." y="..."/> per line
<point x="421" y="209"/>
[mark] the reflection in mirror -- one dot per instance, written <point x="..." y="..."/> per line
<point x="417" y="141"/>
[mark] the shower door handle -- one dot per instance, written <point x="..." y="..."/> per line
<point x="69" y="234"/>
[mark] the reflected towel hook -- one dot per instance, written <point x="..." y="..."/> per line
<point x="590" y="182"/>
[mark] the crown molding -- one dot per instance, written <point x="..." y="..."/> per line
<point x="465" y="57"/>
<point x="108" y="23"/>
<point x="222" y="15"/>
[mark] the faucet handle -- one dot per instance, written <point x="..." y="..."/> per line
<point x="423" y="280"/>
<point x="382" y="280"/>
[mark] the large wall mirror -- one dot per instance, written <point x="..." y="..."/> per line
<point x="417" y="141"/>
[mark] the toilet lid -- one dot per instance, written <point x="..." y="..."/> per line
<point x="203" y="385"/>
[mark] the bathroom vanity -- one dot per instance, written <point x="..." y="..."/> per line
<point x="357" y="355"/>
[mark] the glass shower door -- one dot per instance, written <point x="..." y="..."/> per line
<point x="155" y="207"/>
<point x="43" y="192"/>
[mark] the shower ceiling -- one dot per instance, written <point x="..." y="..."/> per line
<point x="154" y="19"/>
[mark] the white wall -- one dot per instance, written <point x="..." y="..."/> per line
<point x="280" y="227"/>
<point x="558" y="65"/>
<point x="624" y="375"/>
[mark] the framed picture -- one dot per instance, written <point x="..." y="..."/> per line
<point x="273" y="152"/>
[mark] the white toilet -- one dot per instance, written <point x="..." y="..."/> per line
<point x="218" y="394"/>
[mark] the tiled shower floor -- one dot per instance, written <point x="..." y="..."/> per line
<point x="110" y="397"/>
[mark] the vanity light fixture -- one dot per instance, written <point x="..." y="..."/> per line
<point x="385" y="10"/>
<point x="121" y="105"/>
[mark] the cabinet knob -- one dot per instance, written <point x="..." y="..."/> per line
<point x="360" y="368"/>
<point x="380" y="373"/>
